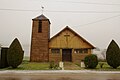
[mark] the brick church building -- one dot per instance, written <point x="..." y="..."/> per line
<point x="66" y="45"/>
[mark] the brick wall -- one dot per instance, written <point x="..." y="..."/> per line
<point x="39" y="43"/>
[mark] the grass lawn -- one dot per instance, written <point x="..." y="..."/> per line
<point x="26" y="65"/>
<point x="106" y="67"/>
<point x="74" y="66"/>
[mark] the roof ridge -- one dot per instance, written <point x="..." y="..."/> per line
<point x="41" y="17"/>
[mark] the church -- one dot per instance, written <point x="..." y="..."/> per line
<point x="66" y="46"/>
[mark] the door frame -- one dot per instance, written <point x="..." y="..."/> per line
<point x="70" y="49"/>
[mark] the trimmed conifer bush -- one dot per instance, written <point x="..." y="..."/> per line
<point x="113" y="54"/>
<point x="15" y="54"/>
<point x="91" y="61"/>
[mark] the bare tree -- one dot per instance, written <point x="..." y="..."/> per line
<point x="103" y="53"/>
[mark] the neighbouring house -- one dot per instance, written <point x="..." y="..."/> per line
<point x="67" y="45"/>
<point x="0" y="52"/>
<point x="3" y="57"/>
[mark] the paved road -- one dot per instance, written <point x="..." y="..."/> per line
<point x="60" y="75"/>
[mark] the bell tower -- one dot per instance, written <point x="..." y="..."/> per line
<point x="39" y="39"/>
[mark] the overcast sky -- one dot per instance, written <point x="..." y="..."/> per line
<point x="98" y="21"/>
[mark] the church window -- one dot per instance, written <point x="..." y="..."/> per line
<point x="80" y="51"/>
<point x="55" y="51"/>
<point x="40" y="26"/>
<point x="85" y="50"/>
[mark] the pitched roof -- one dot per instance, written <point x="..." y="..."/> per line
<point x="67" y="28"/>
<point x="41" y="17"/>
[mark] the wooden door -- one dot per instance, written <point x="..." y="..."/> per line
<point x="67" y="55"/>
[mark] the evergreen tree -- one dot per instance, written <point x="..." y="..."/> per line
<point x="113" y="54"/>
<point x="15" y="54"/>
<point x="91" y="61"/>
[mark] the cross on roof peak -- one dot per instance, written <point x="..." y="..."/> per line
<point x="42" y="9"/>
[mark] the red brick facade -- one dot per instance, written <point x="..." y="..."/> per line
<point x="39" y="40"/>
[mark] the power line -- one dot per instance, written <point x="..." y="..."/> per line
<point x="84" y="2"/>
<point x="60" y="11"/>
<point x="99" y="20"/>
<point x="18" y="10"/>
<point x="84" y="11"/>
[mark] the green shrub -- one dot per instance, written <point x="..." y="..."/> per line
<point x="91" y="61"/>
<point x="101" y="65"/>
<point x="51" y="65"/>
<point x="15" y="54"/>
<point x="113" y="54"/>
<point x="3" y="58"/>
<point x="54" y="65"/>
